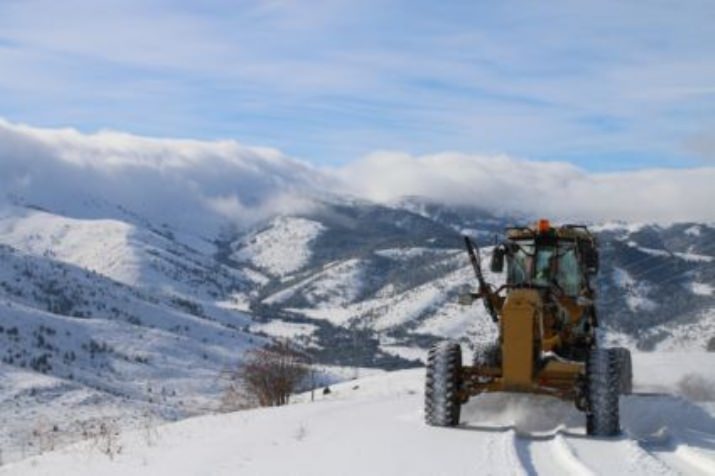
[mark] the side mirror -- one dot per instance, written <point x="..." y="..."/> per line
<point x="497" y="263"/>
<point x="466" y="299"/>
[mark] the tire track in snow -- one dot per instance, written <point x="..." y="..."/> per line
<point x="531" y="454"/>
<point x="616" y="456"/>
<point x="677" y="432"/>
<point x="524" y="452"/>
<point x="567" y="454"/>
<point x="682" y="457"/>
<point x="503" y="456"/>
<point x="552" y="455"/>
<point x="695" y="459"/>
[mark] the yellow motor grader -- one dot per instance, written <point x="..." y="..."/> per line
<point x="546" y="317"/>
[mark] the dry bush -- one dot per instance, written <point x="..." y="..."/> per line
<point x="44" y="436"/>
<point x="235" y="397"/>
<point x="104" y="435"/>
<point x="149" y="424"/>
<point x="266" y="377"/>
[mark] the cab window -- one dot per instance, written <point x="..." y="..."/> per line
<point x="545" y="266"/>
<point x="519" y="265"/>
<point x="569" y="274"/>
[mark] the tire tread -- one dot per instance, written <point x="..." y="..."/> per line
<point x="442" y="405"/>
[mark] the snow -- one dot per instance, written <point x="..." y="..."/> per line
<point x="409" y="353"/>
<point x="278" y="328"/>
<point x="408" y="307"/>
<point x="701" y="289"/>
<point x="113" y="350"/>
<point x="431" y="307"/>
<point x="374" y="426"/>
<point x="649" y="251"/>
<point x="630" y="227"/>
<point x="337" y="316"/>
<point x="337" y="284"/>
<point x="694" y="257"/>
<point x="694" y="230"/>
<point x="389" y="312"/>
<point x="687" y="336"/>
<point x="238" y="301"/>
<point x="410" y="253"/>
<point x="636" y="292"/>
<point x="103" y="246"/>
<point x="282" y="248"/>
<point x="118" y="250"/>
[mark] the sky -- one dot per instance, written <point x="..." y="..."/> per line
<point x="603" y="85"/>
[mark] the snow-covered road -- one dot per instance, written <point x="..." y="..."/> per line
<point x="374" y="427"/>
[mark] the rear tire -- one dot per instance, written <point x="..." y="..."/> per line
<point x="603" y="390"/>
<point x="444" y="365"/>
<point x="625" y="369"/>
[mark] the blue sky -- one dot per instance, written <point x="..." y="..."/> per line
<point x="604" y="85"/>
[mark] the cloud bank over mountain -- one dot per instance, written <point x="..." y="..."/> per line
<point x="191" y="185"/>
<point x="200" y="185"/>
<point x="556" y="189"/>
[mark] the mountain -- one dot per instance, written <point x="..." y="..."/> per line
<point x="402" y="282"/>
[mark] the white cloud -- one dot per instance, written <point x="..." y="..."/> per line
<point x="190" y="184"/>
<point x="554" y="189"/>
<point x="201" y="186"/>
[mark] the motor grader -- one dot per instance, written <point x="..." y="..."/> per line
<point x="547" y="320"/>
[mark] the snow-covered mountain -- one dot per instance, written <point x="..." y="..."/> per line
<point x="655" y="283"/>
<point x="111" y="318"/>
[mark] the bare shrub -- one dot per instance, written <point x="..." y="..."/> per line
<point x="149" y="428"/>
<point x="44" y="436"/>
<point x="267" y="377"/>
<point x="104" y="435"/>
<point x="235" y="397"/>
<point x="697" y="388"/>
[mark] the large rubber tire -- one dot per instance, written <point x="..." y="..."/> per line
<point x="625" y="369"/>
<point x="444" y="365"/>
<point x="603" y="391"/>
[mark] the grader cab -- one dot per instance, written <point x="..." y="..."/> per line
<point x="546" y="316"/>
